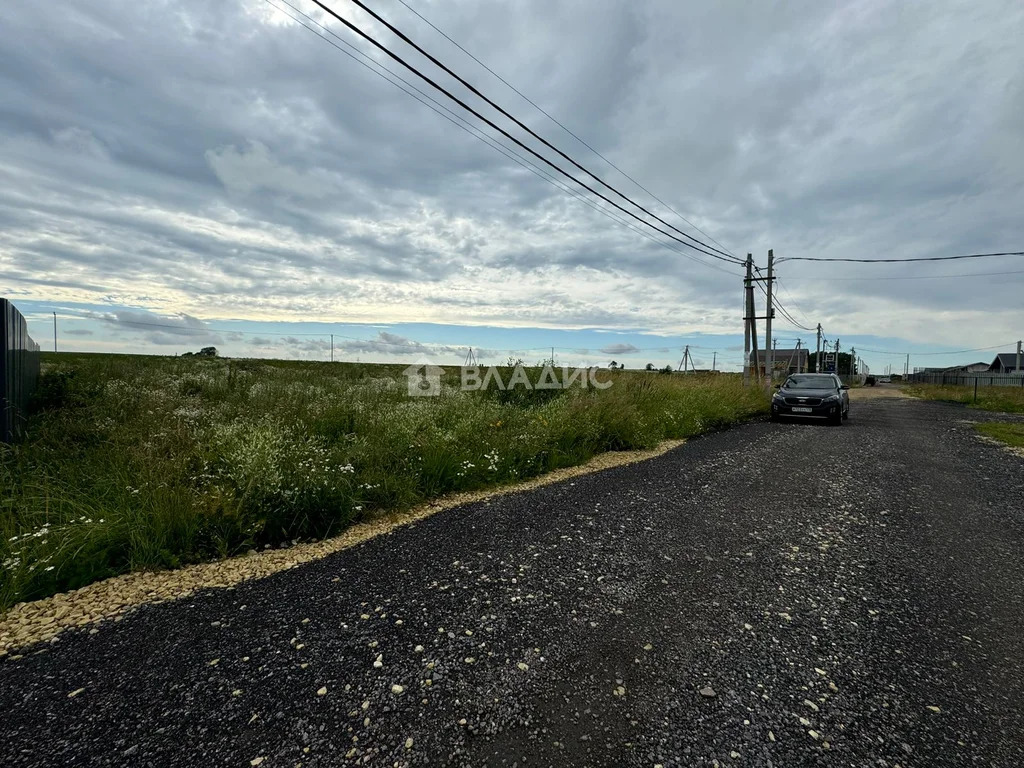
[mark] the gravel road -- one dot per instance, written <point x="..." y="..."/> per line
<point x="772" y="595"/>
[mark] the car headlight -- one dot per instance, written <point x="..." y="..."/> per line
<point x="778" y="396"/>
<point x="831" y="399"/>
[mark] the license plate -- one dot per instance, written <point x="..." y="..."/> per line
<point x="799" y="409"/>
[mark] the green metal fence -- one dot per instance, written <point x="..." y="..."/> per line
<point x="19" y="371"/>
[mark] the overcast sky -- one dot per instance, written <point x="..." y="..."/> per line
<point x="213" y="165"/>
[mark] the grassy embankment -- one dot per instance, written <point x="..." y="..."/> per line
<point x="999" y="399"/>
<point x="144" y="462"/>
<point x="1011" y="434"/>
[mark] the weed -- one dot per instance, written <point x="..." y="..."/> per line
<point x="146" y="462"/>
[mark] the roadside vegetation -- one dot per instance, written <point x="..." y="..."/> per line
<point x="1001" y="399"/>
<point x="145" y="462"/>
<point x="1011" y="434"/>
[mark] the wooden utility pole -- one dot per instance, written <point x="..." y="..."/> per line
<point x="55" y="339"/>
<point x="1018" y="369"/>
<point x="817" y="353"/>
<point x="748" y="314"/>
<point x="332" y="347"/>
<point x="769" y="314"/>
<point x="714" y="359"/>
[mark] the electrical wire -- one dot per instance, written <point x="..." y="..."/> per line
<point x="557" y="122"/>
<point x="895" y="261"/>
<point x="909" y="277"/>
<point x="928" y="354"/>
<point x="452" y="117"/>
<point x="779" y="306"/>
<point x="420" y="345"/>
<point x="785" y="290"/>
<point x="705" y="249"/>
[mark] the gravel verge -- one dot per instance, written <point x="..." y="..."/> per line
<point x="42" y="620"/>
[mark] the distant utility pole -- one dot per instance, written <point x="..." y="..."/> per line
<point x="471" y="360"/>
<point x="853" y="357"/>
<point x="769" y="314"/>
<point x="55" y="339"/>
<point x="836" y="371"/>
<point x="796" y="352"/>
<point x="332" y="347"/>
<point x="714" y="359"/>
<point x="817" y="354"/>
<point x="686" y="362"/>
<point x="1018" y="356"/>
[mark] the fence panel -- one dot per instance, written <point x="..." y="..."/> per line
<point x="983" y="379"/>
<point x="19" y="371"/>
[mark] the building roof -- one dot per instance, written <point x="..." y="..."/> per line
<point x="1005" y="360"/>
<point x="966" y="366"/>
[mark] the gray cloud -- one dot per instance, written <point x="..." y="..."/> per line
<point x="160" y="329"/>
<point x="619" y="349"/>
<point x="207" y="159"/>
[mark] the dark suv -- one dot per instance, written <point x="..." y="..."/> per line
<point x="812" y="396"/>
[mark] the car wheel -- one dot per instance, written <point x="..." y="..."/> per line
<point x="846" y="413"/>
<point x="837" y="420"/>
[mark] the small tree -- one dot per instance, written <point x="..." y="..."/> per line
<point x="649" y="367"/>
<point x="207" y="352"/>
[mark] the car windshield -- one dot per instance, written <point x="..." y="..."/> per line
<point x="810" y="382"/>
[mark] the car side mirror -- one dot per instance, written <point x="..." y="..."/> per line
<point x="778" y="386"/>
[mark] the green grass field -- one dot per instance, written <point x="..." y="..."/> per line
<point x="1011" y="434"/>
<point x="153" y="462"/>
<point x="1001" y="399"/>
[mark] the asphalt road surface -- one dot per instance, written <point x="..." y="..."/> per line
<point x="772" y="595"/>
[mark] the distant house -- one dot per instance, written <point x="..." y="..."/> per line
<point x="786" y="360"/>
<point x="1005" y="362"/>
<point x="969" y="368"/>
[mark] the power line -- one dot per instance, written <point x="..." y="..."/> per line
<point x="928" y="354"/>
<point x="894" y="261"/>
<point x="672" y="346"/>
<point x="562" y="126"/>
<point x="910" y="277"/>
<point x="790" y="297"/>
<point x="706" y="249"/>
<point x="782" y="309"/>
<point x="469" y="128"/>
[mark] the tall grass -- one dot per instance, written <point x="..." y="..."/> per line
<point x="1001" y="399"/>
<point x="1011" y="434"/>
<point x="142" y="462"/>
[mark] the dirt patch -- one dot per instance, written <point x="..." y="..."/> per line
<point x="42" y="620"/>
<point x="876" y="392"/>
